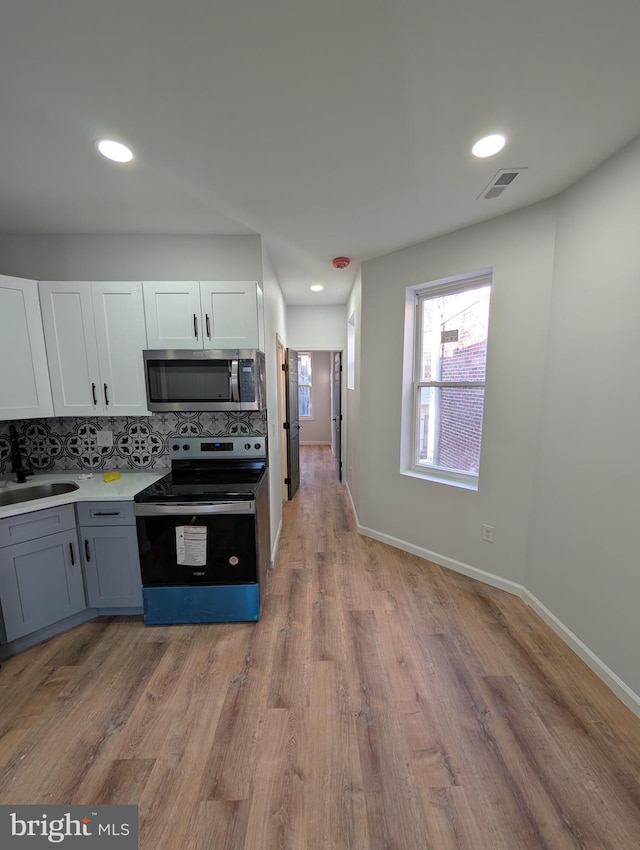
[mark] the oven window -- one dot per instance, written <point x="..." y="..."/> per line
<point x="188" y="380"/>
<point x="230" y="550"/>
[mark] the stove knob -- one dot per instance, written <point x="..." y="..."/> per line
<point x="186" y="447"/>
<point x="175" y="447"/>
<point x="257" y="447"/>
<point x="247" y="446"/>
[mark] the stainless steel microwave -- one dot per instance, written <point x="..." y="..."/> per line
<point x="204" y="380"/>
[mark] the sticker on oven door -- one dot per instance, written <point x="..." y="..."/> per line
<point x="191" y="545"/>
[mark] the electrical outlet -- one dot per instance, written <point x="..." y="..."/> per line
<point x="487" y="533"/>
<point x="104" y="439"/>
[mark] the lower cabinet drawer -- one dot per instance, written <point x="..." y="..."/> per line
<point x="105" y="513"/>
<point x="29" y="526"/>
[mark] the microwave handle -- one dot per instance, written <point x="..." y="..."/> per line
<point x="235" y="389"/>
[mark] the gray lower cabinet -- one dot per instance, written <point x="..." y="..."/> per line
<point x="40" y="570"/>
<point x="109" y="547"/>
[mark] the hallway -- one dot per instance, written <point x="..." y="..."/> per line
<point x="381" y="702"/>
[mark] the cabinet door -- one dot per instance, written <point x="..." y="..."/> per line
<point x="69" y="332"/>
<point x="111" y="566"/>
<point x="118" y="314"/>
<point x="230" y="313"/>
<point x="25" y="390"/>
<point x="172" y="314"/>
<point x="40" y="583"/>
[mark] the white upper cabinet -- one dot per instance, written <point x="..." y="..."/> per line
<point x="118" y="313"/>
<point x="230" y="310"/>
<point x="25" y="391"/>
<point x="202" y="314"/>
<point x="172" y="313"/>
<point x="95" y="335"/>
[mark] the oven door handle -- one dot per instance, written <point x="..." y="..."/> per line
<point x="194" y="508"/>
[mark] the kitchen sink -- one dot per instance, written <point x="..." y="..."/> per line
<point x="38" y="491"/>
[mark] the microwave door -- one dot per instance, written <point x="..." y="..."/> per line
<point x="182" y="382"/>
<point x="205" y="380"/>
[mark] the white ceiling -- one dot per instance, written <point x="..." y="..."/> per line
<point x="333" y="127"/>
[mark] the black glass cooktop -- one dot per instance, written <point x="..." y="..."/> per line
<point x="204" y="485"/>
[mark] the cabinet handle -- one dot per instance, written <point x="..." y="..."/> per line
<point x="93" y="393"/>
<point x="87" y="551"/>
<point x="195" y="325"/>
<point x="106" y="397"/>
<point x="106" y="513"/>
<point x="208" y="325"/>
<point x="73" y="559"/>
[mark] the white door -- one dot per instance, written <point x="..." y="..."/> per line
<point x="25" y="390"/>
<point x="230" y="313"/>
<point x="69" y="332"/>
<point x="173" y="314"/>
<point x="118" y="314"/>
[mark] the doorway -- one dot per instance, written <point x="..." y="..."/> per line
<point x="281" y="352"/>
<point x="319" y="391"/>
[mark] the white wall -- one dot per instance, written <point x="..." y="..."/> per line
<point x="584" y="551"/>
<point x="560" y="462"/>
<point x="318" y="429"/>
<point x="131" y="257"/>
<point x="446" y="521"/>
<point x="274" y="325"/>
<point x="317" y="328"/>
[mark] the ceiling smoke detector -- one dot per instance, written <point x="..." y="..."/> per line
<point x="340" y="262"/>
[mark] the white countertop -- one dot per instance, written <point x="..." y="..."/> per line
<point x="92" y="489"/>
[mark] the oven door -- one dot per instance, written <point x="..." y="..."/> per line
<point x="196" y="544"/>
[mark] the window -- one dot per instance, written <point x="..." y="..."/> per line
<point x="450" y="325"/>
<point x="305" y="386"/>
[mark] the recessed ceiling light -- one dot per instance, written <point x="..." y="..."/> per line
<point x="317" y="287"/>
<point x="488" y="146"/>
<point x="115" y="151"/>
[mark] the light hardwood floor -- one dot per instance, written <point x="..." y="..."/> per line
<point x="381" y="703"/>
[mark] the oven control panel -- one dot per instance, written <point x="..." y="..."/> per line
<point x="209" y="447"/>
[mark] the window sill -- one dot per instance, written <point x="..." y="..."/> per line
<point x="440" y="479"/>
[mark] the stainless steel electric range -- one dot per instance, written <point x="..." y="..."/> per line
<point x="203" y="532"/>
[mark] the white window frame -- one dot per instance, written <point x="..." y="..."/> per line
<point x="351" y="352"/>
<point x="412" y="385"/>
<point x="311" y="416"/>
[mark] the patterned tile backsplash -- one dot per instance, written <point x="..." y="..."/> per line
<point x="139" y="442"/>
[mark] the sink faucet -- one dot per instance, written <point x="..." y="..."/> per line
<point x="16" y="457"/>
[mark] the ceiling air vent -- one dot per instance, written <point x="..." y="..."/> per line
<point x="499" y="182"/>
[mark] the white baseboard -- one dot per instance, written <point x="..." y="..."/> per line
<point x="444" y="561"/>
<point x="614" y="682"/>
<point x="602" y="671"/>
<point x="353" y="507"/>
<point x="276" y="543"/>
